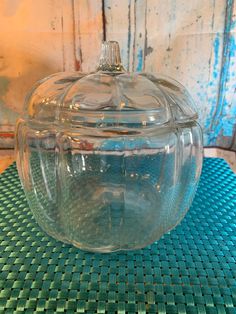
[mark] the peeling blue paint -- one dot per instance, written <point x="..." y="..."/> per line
<point x="228" y="126"/>
<point x="214" y="80"/>
<point x="216" y="55"/>
<point x="140" y="61"/>
<point x="233" y="25"/>
<point x="227" y="119"/>
<point x="222" y="116"/>
<point x="232" y="46"/>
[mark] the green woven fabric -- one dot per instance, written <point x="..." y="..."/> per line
<point x="190" y="270"/>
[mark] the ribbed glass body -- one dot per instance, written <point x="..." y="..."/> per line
<point x="109" y="160"/>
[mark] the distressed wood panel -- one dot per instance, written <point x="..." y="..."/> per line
<point x="33" y="38"/>
<point x="177" y="38"/>
<point x="120" y="26"/>
<point x="88" y="33"/>
<point x="192" y="41"/>
<point x="39" y="38"/>
<point x="126" y="22"/>
<point x="223" y="116"/>
<point x="190" y="49"/>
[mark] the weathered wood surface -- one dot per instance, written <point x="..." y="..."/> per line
<point x="223" y="115"/>
<point x="192" y="41"/>
<point x="39" y="38"/>
<point x="32" y="46"/>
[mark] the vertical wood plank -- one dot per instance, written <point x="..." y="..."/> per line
<point x="223" y="123"/>
<point x="88" y="33"/>
<point x="68" y="35"/>
<point x="125" y="23"/>
<point x="120" y="27"/>
<point x="140" y="35"/>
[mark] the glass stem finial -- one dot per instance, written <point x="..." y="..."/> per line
<point x="110" y="57"/>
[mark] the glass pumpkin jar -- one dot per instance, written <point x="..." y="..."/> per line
<point x="109" y="160"/>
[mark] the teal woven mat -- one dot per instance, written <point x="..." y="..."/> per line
<point x="190" y="270"/>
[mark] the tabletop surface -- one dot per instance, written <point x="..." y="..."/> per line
<point x="192" y="269"/>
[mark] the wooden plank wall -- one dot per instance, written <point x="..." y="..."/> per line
<point x="192" y="41"/>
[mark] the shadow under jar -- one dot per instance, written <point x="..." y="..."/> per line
<point x="109" y="160"/>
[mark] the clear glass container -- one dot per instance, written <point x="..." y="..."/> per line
<point x="109" y="160"/>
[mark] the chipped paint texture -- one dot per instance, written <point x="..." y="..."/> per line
<point x="192" y="41"/>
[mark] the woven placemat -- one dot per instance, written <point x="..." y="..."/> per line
<point x="190" y="270"/>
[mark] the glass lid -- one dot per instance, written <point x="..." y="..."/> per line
<point x="110" y="90"/>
